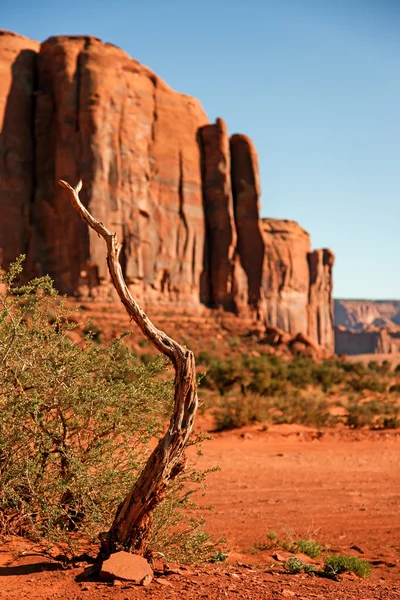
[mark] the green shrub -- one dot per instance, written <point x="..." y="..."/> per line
<point x="223" y="375"/>
<point x="294" y="565"/>
<point x="372" y="384"/>
<point x="363" y="415"/>
<point x="305" y="410"/>
<point x="91" y="330"/>
<point x="373" y="414"/>
<point x="237" y="411"/>
<point x="340" y="563"/>
<point x="203" y="358"/>
<point x="76" y="421"/>
<point x="309" y="547"/>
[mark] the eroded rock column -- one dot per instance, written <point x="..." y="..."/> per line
<point x="246" y="198"/>
<point x="286" y="275"/>
<point x="320" y="304"/>
<point x="218" y="210"/>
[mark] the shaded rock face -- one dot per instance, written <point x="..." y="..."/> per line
<point x="246" y="194"/>
<point x="17" y="83"/>
<point x="219" y="215"/>
<point x="183" y="198"/>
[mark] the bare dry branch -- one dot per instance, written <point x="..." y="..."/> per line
<point x="133" y="518"/>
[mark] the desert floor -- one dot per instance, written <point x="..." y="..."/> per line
<point x="340" y="487"/>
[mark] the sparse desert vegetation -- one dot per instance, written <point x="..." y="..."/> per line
<point x="268" y="388"/>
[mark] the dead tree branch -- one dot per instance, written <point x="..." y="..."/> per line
<point x="132" y="521"/>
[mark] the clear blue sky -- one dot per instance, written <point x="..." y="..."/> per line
<point x="314" y="83"/>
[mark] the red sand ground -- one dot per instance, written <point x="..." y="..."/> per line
<point x="341" y="487"/>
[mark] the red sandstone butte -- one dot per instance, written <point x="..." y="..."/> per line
<point x="183" y="198"/>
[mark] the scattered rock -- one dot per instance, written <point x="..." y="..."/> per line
<point x="146" y="580"/>
<point x="176" y="571"/>
<point x="163" y="581"/>
<point x="127" y="567"/>
<point x="281" y="556"/>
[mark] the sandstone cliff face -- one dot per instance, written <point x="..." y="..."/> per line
<point x="17" y="81"/>
<point x="320" y="301"/>
<point x="183" y="198"/>
<point x="132" y="139"/>
<point x="286" y="277"/>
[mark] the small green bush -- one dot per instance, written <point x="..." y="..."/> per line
<point x="340" y="563"/>
<point x="294" y="565"/>
<point x="309" y="547"/>
<point x="204" y="358"/>
<point x="372" y="384"/>
<point x="237" y="411"/>
<point x="223" y="375"/>
<point x="374" y="414"/>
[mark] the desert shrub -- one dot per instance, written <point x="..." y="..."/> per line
<point x="371" y="384"/>
<point x="76" y="421"/>
<point x="309" y="547"/>
<point x="203" y="358"/>
<point x="294" y="565"/>
<point x="146" y="358"/>
<point x="237" y="411"/>
<point x="340" y="563"/>
<point x="374" y="414"/>
<point x="294" y="391"/>
<point x="363" y="414"/>
<point x="91" y="330"/>
<point x="381" y="368"/>
<point x="306" y="410"/>
<point x="223" y="375"/>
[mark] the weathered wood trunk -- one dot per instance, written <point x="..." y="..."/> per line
<point x="132" y="521"/>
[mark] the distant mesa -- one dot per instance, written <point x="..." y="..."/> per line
<point x="367" y="326"/>
<point x="183" y="196"/>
